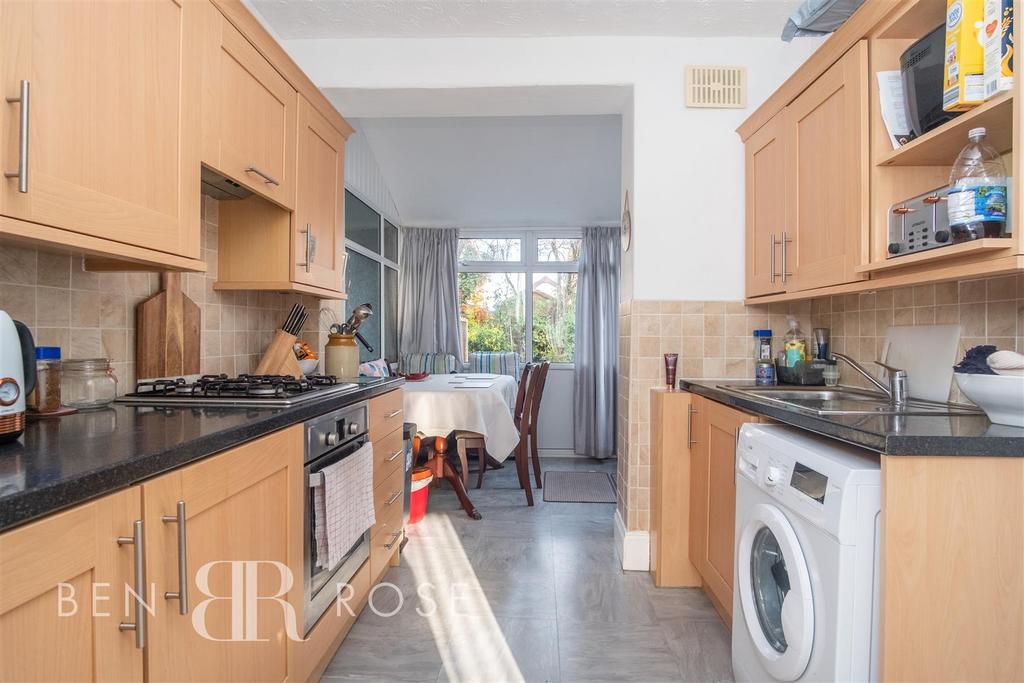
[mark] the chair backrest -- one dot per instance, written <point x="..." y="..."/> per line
<point x="540" y="377"/>
<point x="495" y="362"/>
<point x="433" y="363"/>
<point x="524" y="380"/>
<point x="534" y="384"/>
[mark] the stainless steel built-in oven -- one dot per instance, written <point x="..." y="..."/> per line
<point x="329" y="438"/>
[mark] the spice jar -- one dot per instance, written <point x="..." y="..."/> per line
<point x="45" y="398"/>
<point x="88" y="383"/>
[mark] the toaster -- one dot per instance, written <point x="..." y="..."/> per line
<point x="919" y="224"/>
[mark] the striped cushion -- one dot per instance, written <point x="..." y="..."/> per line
<point x="433" y="363"/>
<point x="374" y="368"/>
<point x="495" y="362"/>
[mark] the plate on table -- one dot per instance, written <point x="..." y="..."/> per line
<point x="416" y="376"/>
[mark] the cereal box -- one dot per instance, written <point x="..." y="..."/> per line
<point x="964" y="73"/>
<point x="998" y="38"/>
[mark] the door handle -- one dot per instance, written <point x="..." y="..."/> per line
<point x="307" y="233"/>
<point x="138" y="540"/>
<point x="392" y="414"/>
<point x="394" y="496"/>
<point x="785" y="273"/>
<point x="267" y="178"/>
<point x="690" y="441"/>
<point x="772" y="252"/>
<point x="22" y="173"/>
<point x="394" y="455"/>
<point x="394" y="539"/>
<point x="182" y="593"/>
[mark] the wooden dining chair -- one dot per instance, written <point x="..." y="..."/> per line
<point x="524" y="424"/>
<point x="541" y="374"/>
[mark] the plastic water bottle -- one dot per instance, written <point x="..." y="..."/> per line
<point x="977" y="191"/>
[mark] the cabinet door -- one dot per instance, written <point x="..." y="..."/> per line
<point x="319" y="219"/>
<point x="698" y="485"/>
<point x="243" y="505"/>
<point x="827" y="175"/>
<point x="765" y="166"/>
<point x="70" y="554"/>
<point x="111" y="146"/>
<point x="251" y="117"/>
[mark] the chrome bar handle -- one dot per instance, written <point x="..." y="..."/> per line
<point x="394" y="539"/>
<point x="182" y="593"/>
<point x="772" y="252"/>
<point x="22" y="173"/>
<point x="690" y="441"/>
<point x="306" y="264"/>
<point x="137" y="539"/>
<point x="391" y="458"/>
<point x="392" y="414"/>
<point x="268" y="179"/>
<point x="394" y="496"/>
<point x="785" y="273"/>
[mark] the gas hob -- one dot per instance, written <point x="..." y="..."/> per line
<point x="243" y="390"/>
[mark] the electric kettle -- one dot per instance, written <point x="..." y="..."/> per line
<point x="17" y="375"/>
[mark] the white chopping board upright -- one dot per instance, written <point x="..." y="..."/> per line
<point x="927" y="353"/>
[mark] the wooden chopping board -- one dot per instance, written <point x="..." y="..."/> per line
<point x="167" y="332"/>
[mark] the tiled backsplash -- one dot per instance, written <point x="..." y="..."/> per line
<point x="714" y="340"/>
<point x="92" y="315"/>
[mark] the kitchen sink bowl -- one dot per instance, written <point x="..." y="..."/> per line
<point x="843" y="401"/>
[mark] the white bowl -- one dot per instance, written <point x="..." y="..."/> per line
<point x="309" y="367"/>
<point x="1000" y="396"/>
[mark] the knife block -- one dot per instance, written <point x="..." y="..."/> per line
<point x="279" y="358"/>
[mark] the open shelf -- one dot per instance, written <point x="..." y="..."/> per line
<point x="940" y="146"/>
<point x="916" y="21"/>
<point x="988" y="244"/>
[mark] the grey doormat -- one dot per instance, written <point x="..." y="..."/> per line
<point x="578" y="487"/>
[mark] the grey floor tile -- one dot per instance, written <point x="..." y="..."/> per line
<point x="701" y="647"/>
<point x="586" y="555"/>
<point x="488" y="650"/>
<point x="403" y="647"/>
<point x="506" y="595"/>
<point x="513" y="556"/>
<point x="615" y="652"/>
<point x="600" y="598"/>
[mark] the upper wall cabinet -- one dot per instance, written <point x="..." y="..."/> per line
<point x="765" y="158"/>
<point x="103" y="137"/>
<point x="827" y="176"/>
<point x="249" y="114"/>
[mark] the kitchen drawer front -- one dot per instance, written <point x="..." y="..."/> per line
<point x="386" y="414"/>
<point x="385" y="539"/>
<point x="388" y="493"/>
<point x="388" y="457"/>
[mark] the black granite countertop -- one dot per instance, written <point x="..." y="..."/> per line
<point x="61" y="462"/>
<point x="892" y="435"/>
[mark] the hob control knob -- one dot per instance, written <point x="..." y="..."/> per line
<point x="331" y="439"/>
<point x="942" y="236"/>
<point x="773" y="476"/>
<point x="894" y="248"/>
<point x="353" y="428"/>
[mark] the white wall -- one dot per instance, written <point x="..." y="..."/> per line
<point x="363" y="176"/>
<point x="687" y="181"/>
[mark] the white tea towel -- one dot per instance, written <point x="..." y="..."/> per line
<point x="348" y="502"/>
<point x="1006" y="363"/>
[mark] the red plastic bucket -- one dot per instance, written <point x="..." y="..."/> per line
<point x="419" y="491"/>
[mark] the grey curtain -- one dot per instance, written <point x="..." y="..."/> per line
<point x="597" y="337"/>
<point x="428" y="296"/>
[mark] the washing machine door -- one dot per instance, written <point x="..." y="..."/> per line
<point x="775" y="592"/>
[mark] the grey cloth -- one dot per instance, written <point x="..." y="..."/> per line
<point x="428" y="296"/>
<point x="818" y="18"/>
<point x="597" y="343"/>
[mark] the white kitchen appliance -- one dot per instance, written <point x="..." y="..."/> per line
<point x="17" y="375"/>
<point x="805" y="601"/>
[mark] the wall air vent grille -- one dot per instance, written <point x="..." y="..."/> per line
<point x="717" y="87"/>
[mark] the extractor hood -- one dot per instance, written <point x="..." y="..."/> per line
<point x="217" y="186"/>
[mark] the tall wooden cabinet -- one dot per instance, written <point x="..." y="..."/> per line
<point x="65" y="555"/>
<point x="110" y="127"/>
<point x="765" y="164"/>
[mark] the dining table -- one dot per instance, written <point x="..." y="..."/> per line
<point x="483" y="403"/>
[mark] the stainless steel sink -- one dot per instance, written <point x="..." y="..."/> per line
<point x="843" y="401"/>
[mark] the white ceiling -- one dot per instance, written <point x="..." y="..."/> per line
<point x="292" y="19"/>
<point x="490" y="172"/>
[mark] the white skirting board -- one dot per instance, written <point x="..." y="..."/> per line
<point x="633" y="547"/>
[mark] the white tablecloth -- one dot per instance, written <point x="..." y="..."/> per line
<point x="437" y="406"/>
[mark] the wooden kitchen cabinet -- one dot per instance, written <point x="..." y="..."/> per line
<point x="672" y="435"/>
<point x="67" y="554"/>
<point x="713" y="498"/>
<point x="112" y="128"/>
<point x="245" y="504"/>
<point x="765" y="164"/>
<point x="249" y="113"/>
<point x="826" y="135"/>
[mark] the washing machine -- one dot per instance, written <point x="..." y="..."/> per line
<point x="805" y="597"/>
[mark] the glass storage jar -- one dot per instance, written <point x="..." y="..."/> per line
<point x="88" y="383"/>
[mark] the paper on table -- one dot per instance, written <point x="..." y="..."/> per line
<point x="477" y="375"/>
<point x="475" y="384"/>
<point x="894" y="112"/>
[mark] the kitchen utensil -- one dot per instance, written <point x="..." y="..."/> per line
<point x="17" y="375"/>
<point x="927" y="353"/>
<point x="359" y="314"/>
<point x="279" y="358"/>
<point x="1000" y="396"/>
<point x="822" y="335"/>
<point x="167" y="332"/>
<point x="341" y="355"/>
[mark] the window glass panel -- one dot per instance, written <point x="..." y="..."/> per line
<point x="390" y="314"/>
<point x="554" y="317"/>
<point x="494" y="307"/>
<point x="363" y="276"/>
<point x="362" y="224"/>
<point x="390" y="241"/>
<point x="490" y="249"/>
<point x="557" y="249"/>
